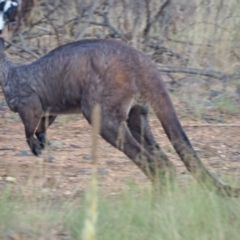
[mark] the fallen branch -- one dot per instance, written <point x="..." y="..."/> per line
<point x="202" y="72"/>
<point x="212" y="125"/>
<point x="189" y="43"/>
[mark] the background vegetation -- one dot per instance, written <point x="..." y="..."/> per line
<point x="195" y="43"/>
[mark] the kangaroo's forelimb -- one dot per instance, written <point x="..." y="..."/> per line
<point x="40" y="133"/>
<point x="30" y="111"/>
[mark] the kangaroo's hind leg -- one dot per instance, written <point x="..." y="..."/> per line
<point x="40" y="133"/>
<point x="140" y="129"/>
<point x="139" y="126"/>
<point x="113" y="123"/>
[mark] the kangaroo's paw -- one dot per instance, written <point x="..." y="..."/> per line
<point x="35" y="146"/>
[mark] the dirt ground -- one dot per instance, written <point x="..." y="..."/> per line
<point x="69" y="173"/>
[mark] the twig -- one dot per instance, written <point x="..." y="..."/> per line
<point x="166" y="50"/>
<point x="189" y="42"/>
<point x="44" y="17"/>
<point x="148" y="18"/>
<point x="55" y="28"/>
<point x="87" y="23"/>
<point x="37" y="35"/>
<point x="107" y="23"/>
<point x="156" y="17"/>
<point x="212" y="125"/>
<point x="203" y="72"/>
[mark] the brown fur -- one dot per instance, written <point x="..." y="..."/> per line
<point x="77" y="76"/>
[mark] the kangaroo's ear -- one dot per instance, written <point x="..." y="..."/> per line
<point x="2" y="47"/>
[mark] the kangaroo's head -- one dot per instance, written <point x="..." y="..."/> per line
<point x="8" y="12"/>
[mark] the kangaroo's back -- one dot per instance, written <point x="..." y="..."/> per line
<point x="99" y="67"/>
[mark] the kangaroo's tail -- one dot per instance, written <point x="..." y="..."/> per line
<point x="161" y="103"/>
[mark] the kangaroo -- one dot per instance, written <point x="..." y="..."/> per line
<point x="74" y="77"/>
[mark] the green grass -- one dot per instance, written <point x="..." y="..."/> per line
<point x="189" y="214"/>
<point x="226" y="104"/>
<point x="183" y="213"/>
<point x="25" y="219"/>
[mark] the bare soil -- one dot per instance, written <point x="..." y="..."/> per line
<point x="69" y="173"/>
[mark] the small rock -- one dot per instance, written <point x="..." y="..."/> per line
<point x="171" y="89"/>
<point x="88" y="171"/>
<point x="69" y="174"/>
<point x="207" y="103"/>
<point x="7" y="148"/>
<point x="55" y="144"/>
<point x="23" y="154"/>
<point x="87" y="157"/>
<point x="84" y="171"/>
<point x="74" y="146"/>
<point x="110" y="162"/>
<point x="102" y="171"/>
<point x="49" y="159"/>
<point x="214" y="93"/>
<point x="10" y="179"/>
